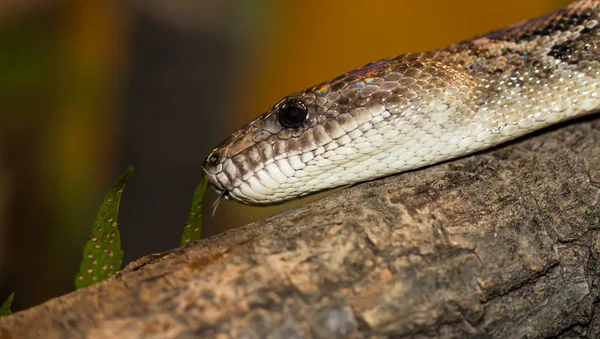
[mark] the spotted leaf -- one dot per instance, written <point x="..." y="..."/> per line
<point x="193" y="226"/>
<point x="102" y="255"/>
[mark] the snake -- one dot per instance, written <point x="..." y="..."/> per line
<point x="415" y="110"/>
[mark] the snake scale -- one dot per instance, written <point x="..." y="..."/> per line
<point x="414" y="110"/>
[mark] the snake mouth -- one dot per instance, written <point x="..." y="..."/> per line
<point x="217" y="187"/>
<point x="213" y="182"/>
<point x="223" y="194"/>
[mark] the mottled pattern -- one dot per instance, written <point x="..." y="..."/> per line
<point x="414" y="110"/>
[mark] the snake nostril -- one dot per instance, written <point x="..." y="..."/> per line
<point x="213" y="159"/>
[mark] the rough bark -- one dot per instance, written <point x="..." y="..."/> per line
<point x="505" y="243"/>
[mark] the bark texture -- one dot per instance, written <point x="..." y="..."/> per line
<point x="502" y="244"/>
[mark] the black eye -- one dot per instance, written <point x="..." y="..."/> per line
<point x="213" y="159"/>
<point x="292" y="113"/>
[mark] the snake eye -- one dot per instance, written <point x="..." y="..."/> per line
<point x="292" y="113"/>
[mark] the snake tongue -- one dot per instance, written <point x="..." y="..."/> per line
<point x="223" y="195"/>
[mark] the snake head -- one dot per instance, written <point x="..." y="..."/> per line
<point x="254" y="162"/>
<point x="294" y="148"/>
<point x="349" y="129"/>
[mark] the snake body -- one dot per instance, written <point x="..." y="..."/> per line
<point x="414" y="110"/>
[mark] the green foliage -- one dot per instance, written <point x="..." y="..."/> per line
<point x="102" y="254"/>
<point x="193" y="227"/>
<point x="5" y="308"/>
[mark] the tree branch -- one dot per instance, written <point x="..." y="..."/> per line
<point x="504" y="243"/>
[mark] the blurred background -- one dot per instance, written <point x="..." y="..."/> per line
<point x="90" y="87"/>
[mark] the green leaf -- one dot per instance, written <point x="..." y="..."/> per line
<point x="5" y="308"/>
<point x="102" y="254"/>
<point x="193" y="227"/>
